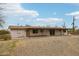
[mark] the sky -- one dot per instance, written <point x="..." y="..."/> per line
<point x="41" y="14"/>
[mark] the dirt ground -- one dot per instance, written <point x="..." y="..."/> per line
<point x="47" y="46"/>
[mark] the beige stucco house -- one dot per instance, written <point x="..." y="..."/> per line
<point x="32" y="31"/>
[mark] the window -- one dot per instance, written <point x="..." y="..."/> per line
<point x="35" y="31"/>
<point x="41" y="31"/>
<point x="64" y="30"/>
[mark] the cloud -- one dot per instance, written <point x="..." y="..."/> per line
<point x="49" y="20"/>
<point x="76" y="17"/>
<point x="15" y="9"/>
<point x="76" y="13"/>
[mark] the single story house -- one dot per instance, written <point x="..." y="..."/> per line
<point x="31" y="31"/>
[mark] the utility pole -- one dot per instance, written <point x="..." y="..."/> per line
<point x="73" y="24"/>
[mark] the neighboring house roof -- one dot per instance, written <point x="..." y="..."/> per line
<point x="33" y="27"/>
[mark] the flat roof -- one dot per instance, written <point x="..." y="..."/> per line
<point x="33" y="27"/>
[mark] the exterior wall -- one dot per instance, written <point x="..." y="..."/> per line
<point x="25" y="33"/>
<point x="18" y="33"/>
<point x="62" y="32"/>
<point x="66" y="33"/>
<point x="58" y="32"/>
<point x="44" y="33"/>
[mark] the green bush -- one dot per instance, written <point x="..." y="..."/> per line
<point x="5" y="35"/>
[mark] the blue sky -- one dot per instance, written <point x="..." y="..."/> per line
<point x="42" y="14"/>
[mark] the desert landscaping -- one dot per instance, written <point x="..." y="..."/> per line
<point x="39" y="29"/>
<point x="44" y="46"/>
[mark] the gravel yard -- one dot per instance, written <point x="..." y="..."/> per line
<point x="46" y="46"/>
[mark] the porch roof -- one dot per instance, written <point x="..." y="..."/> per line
<point x="33" y="27"/>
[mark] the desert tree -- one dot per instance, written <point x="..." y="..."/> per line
<point x="1" y="15"/>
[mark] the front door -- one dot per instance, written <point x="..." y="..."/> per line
<point x="52" y="32"/>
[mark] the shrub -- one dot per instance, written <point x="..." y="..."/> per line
<point x="4" y="32"/>
<point x="5" y="35"/>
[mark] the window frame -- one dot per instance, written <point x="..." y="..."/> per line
<point x="35" y="31"/>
